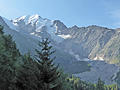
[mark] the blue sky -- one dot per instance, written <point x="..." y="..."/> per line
<point x="70" y="12"/>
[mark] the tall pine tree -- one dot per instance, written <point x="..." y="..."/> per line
<point x="100" y="85"/>
<point x="49" y="72"/>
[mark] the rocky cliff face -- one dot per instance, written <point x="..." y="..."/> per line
<point x="89" y="42"/>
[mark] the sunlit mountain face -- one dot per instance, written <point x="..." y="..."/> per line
<point x="82" y="51"/>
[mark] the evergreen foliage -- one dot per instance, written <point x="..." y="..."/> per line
<point x="19" y="72"/>
<point x="100" y="85"/>
<point x="1" y="30"/>
<point x="28" y="76"/>
<point x="49" y="72"/>
<point x="9" y="59"/>
<point x="78" y="84"/>
<point x="118" y="78"/>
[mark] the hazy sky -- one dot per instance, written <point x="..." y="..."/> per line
<point x="71" y="12"/>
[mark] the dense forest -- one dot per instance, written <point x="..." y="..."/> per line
<point x="23" y="72"/>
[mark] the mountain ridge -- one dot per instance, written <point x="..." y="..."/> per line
<point x="76" y="47"/>
<point x="92" y="40"/>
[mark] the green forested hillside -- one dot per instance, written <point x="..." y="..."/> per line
<point x="21" y="72"/>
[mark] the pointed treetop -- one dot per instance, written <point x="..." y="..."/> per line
<point x="1" y="29"/>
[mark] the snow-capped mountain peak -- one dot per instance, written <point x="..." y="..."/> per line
<point x="34" y="18"/>
<point x="35" y="25"/>
<point x="28" y="19"/>
<point x="20" y="18"/>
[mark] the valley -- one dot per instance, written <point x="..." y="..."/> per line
<point x="85" y="52"/>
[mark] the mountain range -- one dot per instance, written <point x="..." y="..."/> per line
<point x="77" y="48"/>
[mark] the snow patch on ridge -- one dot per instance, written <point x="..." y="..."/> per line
<point x="10" y="24"/>
<point x="65" y="36"/>
<point x="21" y="18"/>
<point x="98" y="58"/>
<point x="51" y="31"/>
<point x="38" y="22"/>
<point x="34" y="18"/>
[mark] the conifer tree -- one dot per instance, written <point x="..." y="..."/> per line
<point x="9" y="61"/>
<point x="100" y="85"/>
<point x="1" y="30"/>
<point x="49" y="72"/>
<point x="27" y="78"/>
